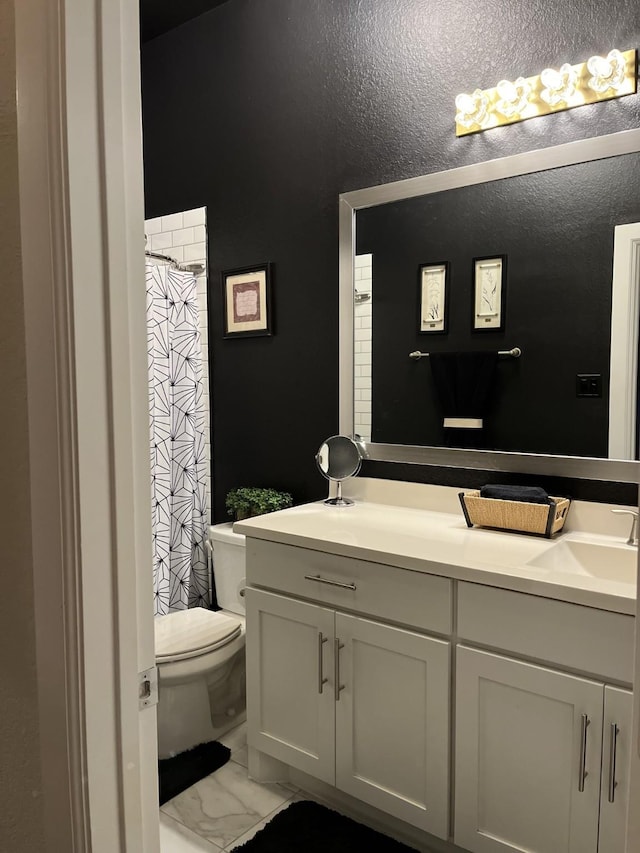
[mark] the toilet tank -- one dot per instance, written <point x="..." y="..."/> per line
<point x="228" y="566"/>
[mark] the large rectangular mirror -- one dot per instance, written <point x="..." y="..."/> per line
<point x="565" y="224"/>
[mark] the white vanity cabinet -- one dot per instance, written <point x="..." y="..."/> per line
<point x="528" y="755"/>
<point x="537" y="754"/>
<point x="349" y="680"/>
<point x="290" y="704"/>
<point x="354" y="702"/>
<point x="392" y="721"/>
<point x="538" y="766"/>
<point x="616" y="758"/>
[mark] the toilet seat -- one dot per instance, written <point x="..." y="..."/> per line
<point x="194" y="632"/>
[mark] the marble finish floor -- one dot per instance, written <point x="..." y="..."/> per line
<point x="223" y="810"/>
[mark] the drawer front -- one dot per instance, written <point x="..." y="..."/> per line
<point x="597" y="642"/>
<point x="395" y="595"/>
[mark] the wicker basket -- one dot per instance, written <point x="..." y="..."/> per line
<point x="520" y="517"/>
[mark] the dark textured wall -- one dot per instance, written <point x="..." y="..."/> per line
<point x="265" y="112"/>
<point x="160" y="16"/>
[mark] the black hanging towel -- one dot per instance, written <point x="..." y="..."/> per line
<point x="463" y="383"/>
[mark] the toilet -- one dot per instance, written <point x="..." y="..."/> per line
<point x="200" y="657"/>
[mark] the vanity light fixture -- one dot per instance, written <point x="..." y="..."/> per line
<point x="559" y="86"/>
<point x="606" y="72"/>
<point x="513" y="98"/>
<point x="473" y="110"/>
<point x="599" y="78"/>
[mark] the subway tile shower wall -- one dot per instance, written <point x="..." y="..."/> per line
<point x="362" y="346"/>
<point x="183" y="236"/>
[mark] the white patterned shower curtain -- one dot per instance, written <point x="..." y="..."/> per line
<point x="178" y="454"/>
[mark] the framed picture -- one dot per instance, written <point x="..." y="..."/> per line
<point x="433" y="284"/>
<point x="489" y="283"/>
<point x="247" y="301"/>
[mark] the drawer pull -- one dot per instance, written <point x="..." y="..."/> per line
<point x="321" y="679"/>
<point x="583" y="752"/>
<point x="613" y="743"/>
<point x="337" y="645"/>
<point x="318" y="579"/>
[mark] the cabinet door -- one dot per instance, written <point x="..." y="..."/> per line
<point x="290" y="704"/>
<point x="527" y="764"/>
<point x="616" y="754"/>
<point x="392" y="721"/>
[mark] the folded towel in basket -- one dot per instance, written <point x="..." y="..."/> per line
<point x="527" y="494"/>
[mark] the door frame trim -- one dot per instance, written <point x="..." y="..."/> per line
<point x="623" y="360"/>
<point x="82" y="226"/>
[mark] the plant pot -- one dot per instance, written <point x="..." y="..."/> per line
<point x="241" y="514"/>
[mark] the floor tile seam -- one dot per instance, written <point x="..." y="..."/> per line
<point x="181" y="822"/>
<point x="268" y="816"/>
<point x="264" y="820"/>
<point x="245" y="831"/>
<point x="215" y="848"/>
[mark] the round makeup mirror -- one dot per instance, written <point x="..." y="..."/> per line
<point x="339" y="457"/>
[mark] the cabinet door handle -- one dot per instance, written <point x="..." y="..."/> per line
<point x="583" y="752"/>
<point x="318" y="579"/>
<point x="321" y="679"/>
<point x="613" y="743"/>
<point x="337" y="645"/>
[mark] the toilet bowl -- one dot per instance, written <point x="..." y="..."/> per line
<point x="200" y="657"/>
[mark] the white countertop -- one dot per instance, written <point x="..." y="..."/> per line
<point x="440" y="543"/>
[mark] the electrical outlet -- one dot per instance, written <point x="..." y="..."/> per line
<point x="589" y="385"/>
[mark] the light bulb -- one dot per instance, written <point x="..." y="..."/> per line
<point x="472" y="109"/>
<point x="513" y="97"/>
<point x="606" y="72"/>
<point x="559" y="85"/>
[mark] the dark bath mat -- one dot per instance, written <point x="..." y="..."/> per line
<point x="185" y="769"/>
<point x="307" y="827"/>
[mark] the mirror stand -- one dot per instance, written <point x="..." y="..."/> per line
<point x="338" y="500"/>
<point x="339" y="457"/>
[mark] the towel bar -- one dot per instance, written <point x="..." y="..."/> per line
<point x="516" y="352"/>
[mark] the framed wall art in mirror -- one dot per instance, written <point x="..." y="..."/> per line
<point x="489" y="290"/>
<point x="555" y="213"/>
<point x="433" y="280"/>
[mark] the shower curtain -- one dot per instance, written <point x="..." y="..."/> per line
<point x="178" y="450"/>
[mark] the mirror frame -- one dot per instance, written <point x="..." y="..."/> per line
<point x="567" y="154"/>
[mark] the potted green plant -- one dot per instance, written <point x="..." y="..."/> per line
<point x="248" y="501"/>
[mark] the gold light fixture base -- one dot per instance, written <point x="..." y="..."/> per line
<point x="536" y="106"/>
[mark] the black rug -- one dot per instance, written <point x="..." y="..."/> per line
<point x="307" y="827"/>
<point x="185" y="769"/>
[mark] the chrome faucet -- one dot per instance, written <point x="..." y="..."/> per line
<point x="633" y="533"/>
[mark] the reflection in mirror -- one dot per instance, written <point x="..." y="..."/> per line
<point x="362" y="314"/>
<point x="555" y="232"/>
<point x="339" y="457"/>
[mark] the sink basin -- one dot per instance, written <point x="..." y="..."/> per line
<point x="608" y="562"/>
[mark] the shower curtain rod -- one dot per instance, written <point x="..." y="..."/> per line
<point x="195" y="267"/>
